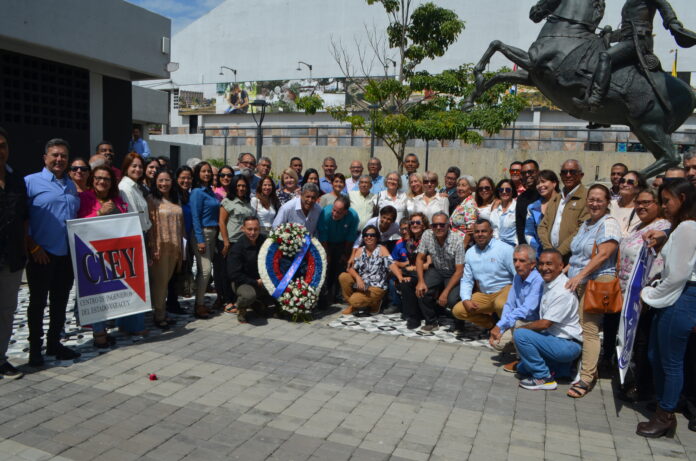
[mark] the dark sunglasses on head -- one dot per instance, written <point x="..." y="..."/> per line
<point x="438" y="225"/>
<point x="225" y="175"/>
<point x="569" y="172"/>
<point x="505" y="190"/>
<point x="630" y="182"/>
<point x="84" y="169"/>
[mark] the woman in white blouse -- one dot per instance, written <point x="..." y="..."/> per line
<point x="132" y="190"/>
<point x="430" y="202"/>
<point x="392" y="196"/>
<point x="674" y="299"/>
<point x="624" y="208"/>
<point x="266" y="204"/>
<point x="485" y="200"/>
<point x="503" y="215"/>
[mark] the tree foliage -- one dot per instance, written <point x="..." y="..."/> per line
<point x="416" y="104"/>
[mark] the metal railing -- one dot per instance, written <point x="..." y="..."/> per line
<point x="564" y="138"/>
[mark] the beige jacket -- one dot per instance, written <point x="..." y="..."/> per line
<point x="574" y="214"/>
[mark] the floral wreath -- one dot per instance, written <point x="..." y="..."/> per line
<point x="292" y="266"/>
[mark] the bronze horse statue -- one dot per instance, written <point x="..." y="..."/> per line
<point x="560" y="64"/>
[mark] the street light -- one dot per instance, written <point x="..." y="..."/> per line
<point x="259" y="131"/>
<point x="225" y="133"/>
<point x="373" y="108"/>
<point x="234" y="71"/>
<point x="386" y="66"/>
<point x="309" y="66"/>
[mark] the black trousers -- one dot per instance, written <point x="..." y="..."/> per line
<point x="223" y="286"/>
<point x="642" y="369"/>
<point x="51" y="282"/>
<point x="337" y="259"/>
<point x="426" y="308"/>
<point x="690" y="370"/>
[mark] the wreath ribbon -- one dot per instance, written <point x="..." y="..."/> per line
<point x="287" y="278"/>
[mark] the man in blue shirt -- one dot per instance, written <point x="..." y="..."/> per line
<point x="52" y="199"/>
<point x="522" y="304"/>
<point x="338" y="225"/>
<point x="301" y="210"/>
<point x="374" y="166"/>
<point x="488" y="263"/>
<point x="329" y="167"/>
<point x="138" y="144"/>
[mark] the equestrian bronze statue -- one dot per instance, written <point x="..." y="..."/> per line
<point x="581" y="73"/>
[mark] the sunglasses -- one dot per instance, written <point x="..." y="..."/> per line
<point x="505" y="190"/>
<point x="484" y="188"/>
<point x="370" y="235"/>
<point x="428" y="181"/>
<point x="102" y="178"/>
<point x="528" y="172"/>
<point x="416" y="223"/>
<point x="225" y="175"/>
<point x="569" y="172"/>
<point x="84" y="169"/>
<point x="515" y="171"/>
<point x="630" y="182"/>
<point x="438" y="225"/>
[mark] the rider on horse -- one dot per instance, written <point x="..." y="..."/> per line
<point x="635" y="44"/>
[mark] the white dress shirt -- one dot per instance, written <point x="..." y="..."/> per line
<point x="560" y="305"/>
<point x="436" y="204"/>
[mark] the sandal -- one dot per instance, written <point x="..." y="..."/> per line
<point x="579" y="390"/>
<point x="230" y="308"/>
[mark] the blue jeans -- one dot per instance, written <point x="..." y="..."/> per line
<point x="669" y="336"/>
<point x="540" y="353"/>
<point x="394" y="296"/>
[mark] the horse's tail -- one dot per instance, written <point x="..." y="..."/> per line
<point x="684" y="102"/>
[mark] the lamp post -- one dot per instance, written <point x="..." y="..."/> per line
<point x="373" y="108"/>
<point x="234" y="71"/>
<point x="309" y="66"/>
<point x="386" y="66"/>
<point x="225" y="133"/>
<point x="259" y="131"/>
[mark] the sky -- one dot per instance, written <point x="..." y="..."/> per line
<point x="181" y="12"/>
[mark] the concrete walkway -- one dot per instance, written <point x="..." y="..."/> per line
<point x="284" y="391"/>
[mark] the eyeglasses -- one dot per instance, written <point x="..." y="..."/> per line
<point x="630" y="182"/>
<point x="484" y="188"/>
<point x="569" y="172"/>
<point x="370" y="235"/>
<point x="644" y="203"/>
<point x="438" y="225"/>
<point x="83" y="169"/>
<point x="102" y="178"/>
<point x="416" y="223"/>
<point x="505" y="190"/>
<point x="225" y="175"/>
<point x="428" y="181"/>
<point x="597" y="201"/>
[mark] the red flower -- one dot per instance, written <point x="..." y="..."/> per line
<point x="304" y="292"/>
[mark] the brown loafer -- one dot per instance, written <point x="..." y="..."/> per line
<point x="511" y="367"/>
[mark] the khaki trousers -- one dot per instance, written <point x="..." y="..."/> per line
<point x="161" y="272"/>
<point x="591" y="344"/>
<point x="372" y="298"/>
<point x="488" y="305"/>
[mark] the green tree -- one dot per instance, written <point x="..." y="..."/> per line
<point x="413" y="104"/>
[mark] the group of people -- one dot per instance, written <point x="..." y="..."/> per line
<point x="513" y="257"/>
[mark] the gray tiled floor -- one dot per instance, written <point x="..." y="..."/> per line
<point x="284" y="391"/>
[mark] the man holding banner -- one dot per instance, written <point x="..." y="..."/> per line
<point x="52" y="199"/>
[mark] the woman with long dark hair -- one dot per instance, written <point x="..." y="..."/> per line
<point x="265" y="204"/>
<point x="181" y="281"/>
<point x="547" y="187"/>
<point x="131" y="188"/>
<point x="674" y="301"/>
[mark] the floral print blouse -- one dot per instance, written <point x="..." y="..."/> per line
<point x="373" y="269"/>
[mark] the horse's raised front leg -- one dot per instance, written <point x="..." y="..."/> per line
<point x="516" y="55"/>
<point x="518" y="77"/>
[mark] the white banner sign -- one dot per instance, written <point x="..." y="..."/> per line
<point x="110" y="264"/>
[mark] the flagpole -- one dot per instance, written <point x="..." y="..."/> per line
<point x="674" y="64"/>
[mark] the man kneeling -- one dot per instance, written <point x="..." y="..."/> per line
<point x="553" y="342"/>
<point x="243" y="271"/>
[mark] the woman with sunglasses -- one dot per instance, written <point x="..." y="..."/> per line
<point x="674" y="301"/>
<point x="650" y="215"/>
<point x="547" y="187"/>
<point x="485" y="200"/>
<point x="224" y="179"/>
<point x="79" y="173"/>
<point x="265" y="204"/>
<point x="404" y="254"/>
<point x="164" y="240"/>
<point x="392" y="196"/>
<point x="464" y="214"/>
<point x="233" y="210"/>
<point x="101" y="198"/>
<point x="503" y="215"/>
<point x="338" y="185"/>
<point x="623" y="209"/>
<point x="205" y="210"/>
<point x="430" y="202"/>
<point x="365" y="283"/>
<point x="593" y="256"/>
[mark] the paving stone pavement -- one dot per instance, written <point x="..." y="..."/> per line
<point x="284" y="391"/>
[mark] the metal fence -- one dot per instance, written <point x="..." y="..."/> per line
<point x="561" y="138"/>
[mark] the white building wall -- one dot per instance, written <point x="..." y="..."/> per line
<point x="264" y="39"/>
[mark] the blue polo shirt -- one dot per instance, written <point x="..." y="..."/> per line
<point x="52" y="202"/>
<point x="325" y="185"/>
<point x="378" y="185"/>
<point x="344" y="230"/>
